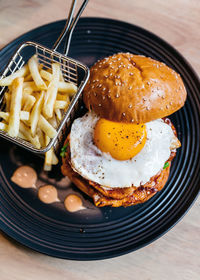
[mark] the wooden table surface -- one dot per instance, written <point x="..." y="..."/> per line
<point x="177" y="254"/>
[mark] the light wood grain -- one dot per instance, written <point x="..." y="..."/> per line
<point x="177" y="254"/>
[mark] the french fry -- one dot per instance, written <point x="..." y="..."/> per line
<point x="64" y="97"/>
<point x="7" y="99"/>
<point x="28" y="90"/>
<point x="15" y="107"/>
<point x="46" y="75"/>
<point x="34" y="69"/>
<point x="46" y="127"/>
<point x="47" y="167"/>
<point x="41" y="137"/>
<point x="48" y="156"/>
<point x="61" y="76"/>
<point x="58" y="114"/>
<point x="21" y="135"/>
<point x="53" y="121"/>
<point x="24" y="115"/>
<point x="69" y="88"/>
<point x="36" y="111"/>
<point x="60" y="104"/>
<point x="7" y="81"/>
<point x="28" y="101"/>
<point x="26" y="132"/>
<point x="51" y="92"/>
<point x="63" y="86"/>
<point x="54" y="159"/>
<point x="30" y="84"/>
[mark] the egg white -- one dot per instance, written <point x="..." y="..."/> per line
<point x="94" y="165"/>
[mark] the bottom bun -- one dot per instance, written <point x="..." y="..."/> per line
<point x="115" y="197"/>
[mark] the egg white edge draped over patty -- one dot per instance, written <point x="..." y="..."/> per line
<point x="97" y="166"/>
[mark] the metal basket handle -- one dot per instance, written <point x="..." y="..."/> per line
<point x="69" y="26"/>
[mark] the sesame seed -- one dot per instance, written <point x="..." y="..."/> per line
<point x="99" y="105"/>
<point x="167" y="106"/>
<point x="147" y="108"/>
<point x="130" y="106"/>
<point x="148" y="83"/>
<point x="130" y="88"/>
<point x="103" y="97"/>
<point x="132" y="120"/>
<point x="116" y="83"/>
<point x="170" y="103"/>
<point x="162" y="97"/>
<point x="106" y="76"/>
<point x="92" y="86"/>
<point x="95" y="94"/>
<point x="123" y="114"/>
<point x="128" y="66"/>
<point x="104" y="89"/>
<point x="144" y="99"/>
<point x="117" y="95"/>
<point x="131" y="74"/>
<point x="100" y="85"/>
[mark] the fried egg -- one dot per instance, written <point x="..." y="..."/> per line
<point x="116" y="154"/>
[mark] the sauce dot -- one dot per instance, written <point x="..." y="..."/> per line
<point x="48" y="194"/>
<point x="25" y="177"/>
<point x="73" y="203"/>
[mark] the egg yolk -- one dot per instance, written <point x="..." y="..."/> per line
<point x="121" y="140"/>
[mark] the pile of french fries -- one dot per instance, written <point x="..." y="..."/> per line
<point x="34" y="104"/>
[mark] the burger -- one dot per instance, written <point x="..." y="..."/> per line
<point x="119" y="153"/>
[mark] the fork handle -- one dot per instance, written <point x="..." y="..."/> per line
<point x="69" y="26"/>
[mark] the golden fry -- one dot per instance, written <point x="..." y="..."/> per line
<point x="51" y="92"/>
<point x="29" y="101"/>
<point x="15" y="107"/>
<point x="60" y="104"/>
<point x="34" y="69"/>
<point x="7" y="81"/>
<point x="63" y="86"/>
<point x="24" y="115"/>
<point x="26" y="132"/>
<point x="35" y="113"/>
<point x="46" y="127"/>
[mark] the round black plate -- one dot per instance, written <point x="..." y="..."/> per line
<point x="107" y="232"/>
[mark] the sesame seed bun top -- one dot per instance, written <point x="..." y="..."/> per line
<point x="133" y="88"/>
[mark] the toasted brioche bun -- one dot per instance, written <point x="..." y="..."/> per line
<point x="133" y="88"/>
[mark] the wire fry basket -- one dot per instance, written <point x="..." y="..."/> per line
<point x="73" y="71"/>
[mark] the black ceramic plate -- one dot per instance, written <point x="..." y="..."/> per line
<point x="107" y="232"/>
